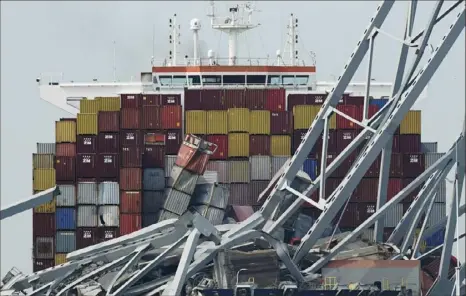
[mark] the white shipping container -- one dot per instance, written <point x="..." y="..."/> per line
<point x="209" y="177"/>
<point x="277" y="163"/>
<point x="67" y="197"/>
<point x="45" y="148"/>
<point x="88" y="193"/>
<point x="65" y="241"/>
<point x="177" y="202"/>
<point x="221" y="167"/>
<point x="109" y="216"/>
<point x="213" y="215"/>
<point x="239" y="172"/>
<point x="261" y="168"/>
<point x="87" y="216"/>
<point x="169" y="163"/>
<point x="437" y="213"/>
<point x="109" y="193"/>
<point x="429" y="147"/>
<point x="393" y="216"/>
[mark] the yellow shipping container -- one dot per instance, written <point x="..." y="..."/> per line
<point x="333" y="122"/>
<point x="89" y="106"/>
<point x="87" y="124"/>
<point x="43" y="179"/>
<point x="238" y="120"/>
<point x="411" y="124"/>
<point x="196" y="122"/>
<point x="108" y="104"/>
<point x="65" y="131"/>
<point x="238" y="145"/>
<point x="259" y="122"/>
<point x="60" y="259"/>
<point x="304" y="115"/>
<point x="280" y="145"/>
<point x="46" y="208"/>
<point x="43" y="161"/>
<point x="217" y="122"/>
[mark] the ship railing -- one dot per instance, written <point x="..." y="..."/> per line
<point x="186" y="62"/>
<point x="50" y="78"/>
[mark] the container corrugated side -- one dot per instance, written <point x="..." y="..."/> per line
<point x="44" y="248"/>
<point x="65" y="219"/>
<point x="429" y="147"/>
<point x="280" y="145"/>
<point x="238" y="171"/>
<point x="411" y="124"/>
<point x="87" y="124"/>
<point x="46" y="208"/>
<point x="89" y="106"/>
<point x="152" y="201"/>
<point x="43" y="224"/>
<point x="429" y="159"/>
<point x="109" y="193"/>
<point x="88" y="193"/>
<point x="86" y="216"/>
<point x="43" y="161"/>
<point x="66" y="149"/>
<point x="221" y="167"/>
<point x="65" y="131"/>
<point x="65" y="241"/>
<point x="255" y="189"/>
<point x="182" y="180"/>
<point x="169" y="163"/>
<point x="130" y="179"/>
<point x="209" y="177"/>
<point x="60" y="259"/>
<point x="131" y="202"/>
<point x="109" y="216"/>
<point x="213" y="215"/>
<point x="196" y="122"/>
<point x="240" y="195"/>
<point x="109" y="103"/>
<point x="277" y="163"/>
<point x="211" y="195"/>
<point x="130" y="223"/>
<point x="153" y="179"/>
<point x="166" y="215"/>
<point x="304" y="115"/>
<point x="259" y="122"/>
<point x="43" y="179"/>
<point x="217" y="122"/>
<point x="261" y="167"/>
<point x="238" y="145"/>
<point x="46" y="148"/>
<point x="394" y="215"/>
<point x="238" y="120"/>
<point x="176" y="202"/>
<point x="437" y="213"/>
<point x="67" y="197"/>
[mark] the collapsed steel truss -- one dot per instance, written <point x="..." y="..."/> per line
<point x="195" y="243"/>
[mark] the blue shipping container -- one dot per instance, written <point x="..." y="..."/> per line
<point x="378" y="102"/>
<point x="65" y="218"/>
<point x="310" y="168"/>
<point x="153" y="179"/>
<point x="436" y="239"/>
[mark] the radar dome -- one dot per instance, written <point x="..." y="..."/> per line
<point x="195" y="24"/>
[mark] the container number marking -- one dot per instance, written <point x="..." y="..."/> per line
<point x="108" y="234"/>
<point x="125" y="149"/>
<point x="108" y="136"/>
<point x="413" y="159"/>
<point x="108" y="159"/>
<point x="172" y="136"/>
<point x="130" y="97"/>
<point x="347" y="136"/>
<point x="87" y="141"/>
<point x="87" y="234"/>
<point x="86" y="159"/>
<point x="171" y="101"/>
<point x="129" y="136"/>
<point x="274" y="114"/>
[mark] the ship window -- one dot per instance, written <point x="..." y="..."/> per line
<point x="179" y="80"/>
<point x="165" y="80"/>
<point x="302" y="79"/>
<point x="274" y="80"/>
<point x="154" y="79"/>
<point x="234" y="79"/>
<point x="288" y="79"/>
<point x="212" y="79"/>
<point x="194" y="79"/>
<point x="255" y="79"/>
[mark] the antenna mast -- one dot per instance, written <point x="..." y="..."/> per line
<point x="174" y="39"/>
<point x="293" y="39"/>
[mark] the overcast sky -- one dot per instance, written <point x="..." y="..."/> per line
<point x="76" y="38"/>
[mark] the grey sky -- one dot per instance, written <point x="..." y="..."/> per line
<point x="76" y="38"/>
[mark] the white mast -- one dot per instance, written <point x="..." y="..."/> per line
<point x="174" y="39"/>
<point x="293" y="39"/>
<point x="195" y="27"/>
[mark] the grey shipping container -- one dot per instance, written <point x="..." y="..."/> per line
<point x="429" y="147"/>
<point x="209" y="177"/>
<point x="394" y="215"/>
<point x="44" y="248"/>
<point x="277" y="163"/>
<point x="221" y="167"/>
<point x="88" y="193"/>
<point x="211" y="195"/>
<point x="65" y="241"/>
<point x="437" y="213"/>
<point x="441" y="191"/>
<point x="176" y="202"/>
<point x="214" y="215"/>
<point x="429" y="159"/>
<point x="302" y="225"/>
<point x="109" y="193"/>
<point x="182" y="180"/>
<point x="240" y="195"/>
<point x="46" y="148"/>
<point x="169" y="163"/>
<point x="67" y="197"/>
<point x="153" y="179"/>
<point x="166" y="215"/>
<point x="109" y="216"/>
<point x="261" y="167"/>
<point x="87" y="216"/>
<point x="238" y="172"/>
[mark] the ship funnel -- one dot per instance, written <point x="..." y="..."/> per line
<point x="195" y="27"/>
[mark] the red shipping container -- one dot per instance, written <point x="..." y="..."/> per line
<point x="109" y="121"/>
<point x="130" y="179"/>
<point x="281" y="123"/>
<point x="86" y="237"/>
<point x="130" y="101"/>
<point x="173" y="142"/>
<point x="151" y="100"/>
<point x="350" y="217"/>
<point x="43" y="224"/>
<point x="317" y="99"/>
<point x="222" y="146"/>
<point x="131" y="138"/>
<point x="130" y="223"/>
<point x="394" y="187"/>
<point x="395" y="143"/>
<point x="330" y="185"/>
<point x="298" y="136"/>
<point x="41" y="264"/>
<point x="352" y="111"/>
<point x="366" y="191"/>
<point x="191" y="158"/>
<point x="65" y="149"/>
<point x="108" y="166"/>
<point x="410" y="197"/>
<point x="396" y="165"/>
<point x="86" y="144"/>
<point x="413" y="165"/>
<point x="171" y="117"/>
<point x="371" y="110"/>
<point x="151" y="117"/>
<point x="130" y="119"/>
<point x="108" y="143"/>
<point x="154" y="138"/>
<point x="234" y="98"/>
<point x="131" y="157"/>
<point x="130" y="202"/>
<point x="192" y="99"/>
<point x="356" y="100"/>
<point x="107" y="233"/>
<point x="65" y="169"/>
<point x="259" y="145"/>
<point x="343" y="168"/>
<point x="410" y="143"/>
<point x="374" y="169"/>
<point x="211" y="99"/>
<point x="255" y="99"/>
<point x="344" y="138"/>
<point x="153" y="157"/>
<point x="171" y="99"/>
<point x="366" y="210"/>
<point x="275" y="100"/>
<point x="297" y="99"/>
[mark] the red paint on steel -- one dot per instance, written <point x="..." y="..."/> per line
<point x="281" y="123"/>
<point x="131" y="157"/>
<point x="275" y="100"/>
<point x="130" y="179"/>
<point x="151" y="100"/>
<point x="259" y="145"/>
<point x="171" y="117"/>
<point x="222" y="143"/>
<point x="65" y="169"/>
<point x="131" y="138"/>
<point x="130" y="101"/>
<point x="130" y="223"/>
<point x="130" y="119"/>
<point x="65" y="149"/>
<point x="109" y="121"/>
<point x="86" y="144"/>
<point x="153" y="157"/>
<point x="211" y="99"/>
<point x="108" y="143"/>
<point x="130" y="202"/>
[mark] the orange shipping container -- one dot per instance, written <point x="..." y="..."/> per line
<point x="130" y="202"/>
<point x="171" y="117"/>
<point x="66" y="149"/>
<point x="130" y="223"/>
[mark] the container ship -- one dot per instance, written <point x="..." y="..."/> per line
<point x="114" y="158"/>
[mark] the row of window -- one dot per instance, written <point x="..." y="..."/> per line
<point x="166" y="80"/>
